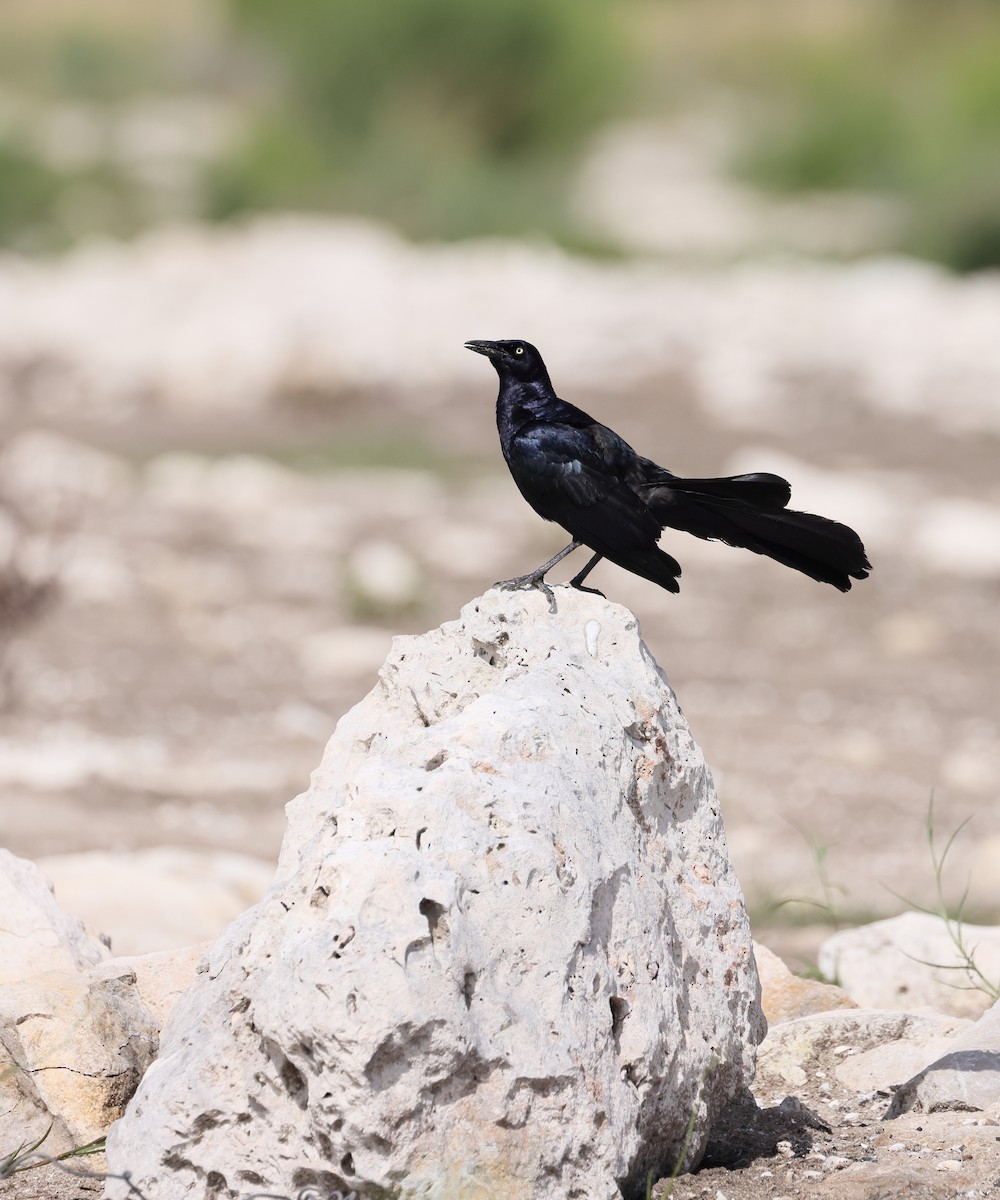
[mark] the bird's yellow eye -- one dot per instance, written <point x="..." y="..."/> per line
<point x="519" y="350"/>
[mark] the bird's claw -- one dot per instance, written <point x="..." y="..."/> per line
<point x="528" y="581"/>
<point x="593" y="591"/>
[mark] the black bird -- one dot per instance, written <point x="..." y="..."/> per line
<point x="582" y="475"/>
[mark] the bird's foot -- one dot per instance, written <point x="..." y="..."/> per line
<point x="593" y="591"/>
<point x="529" y="581"/>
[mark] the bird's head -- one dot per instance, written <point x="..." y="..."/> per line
<point x="513" y="359"/>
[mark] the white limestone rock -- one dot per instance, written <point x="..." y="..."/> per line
<point x="75" y="1036"/>
<point x="963" y="1077"/>
<point x="785" y="997"/>
<point x="911" y="962"/>
<point x="36" y="935"/>
<point x="73" y="1046"/>
<point x="865" y="1049"/>
<point x="161" y="978"/>
<point x="504" y="949"/>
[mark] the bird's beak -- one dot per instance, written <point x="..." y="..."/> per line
<point x="487" y="348"/>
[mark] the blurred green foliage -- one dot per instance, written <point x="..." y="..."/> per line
<point x="51" y="195"/>
<point x="447" y="117"/>
<point x="452" y="118"/>
<point x="504" y="75"/>
<point x="88" y="64"/>
<point x="29" y="190"/>
<point x="45" y="208"/>
<point x="903" y="99"/>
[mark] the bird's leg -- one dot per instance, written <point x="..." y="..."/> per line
<point x="577" y="580"/>
<point x="536" y="578"/>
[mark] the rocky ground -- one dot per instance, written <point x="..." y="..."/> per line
<point x="831" y="1141"/>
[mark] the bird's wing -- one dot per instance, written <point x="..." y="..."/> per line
<point x="576" y="476"/>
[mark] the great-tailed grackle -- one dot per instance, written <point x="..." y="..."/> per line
<point x="582" y="475"/>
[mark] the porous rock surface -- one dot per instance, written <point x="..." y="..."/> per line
<point x="505" y="954"/>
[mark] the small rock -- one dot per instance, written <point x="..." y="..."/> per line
<point x="73" y="1047"/>
<point x="885" y="965"/>
<point x="785" y="996"/>
<point x="893" y="1062"/>
<point x="160" y="979"/>
<point x="966" y="1076"/>
<point x="37" y="935"/>
<point x="793" y="1051"/>
<point x="75" y="1034"/>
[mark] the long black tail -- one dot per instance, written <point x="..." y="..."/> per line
<point x="748" y="511"/>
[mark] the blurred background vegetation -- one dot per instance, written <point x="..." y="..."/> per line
<point x="453" y="118"/>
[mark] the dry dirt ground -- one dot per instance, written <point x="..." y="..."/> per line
<point x="802" y="1150"/>
<point x="213" y="613"/>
